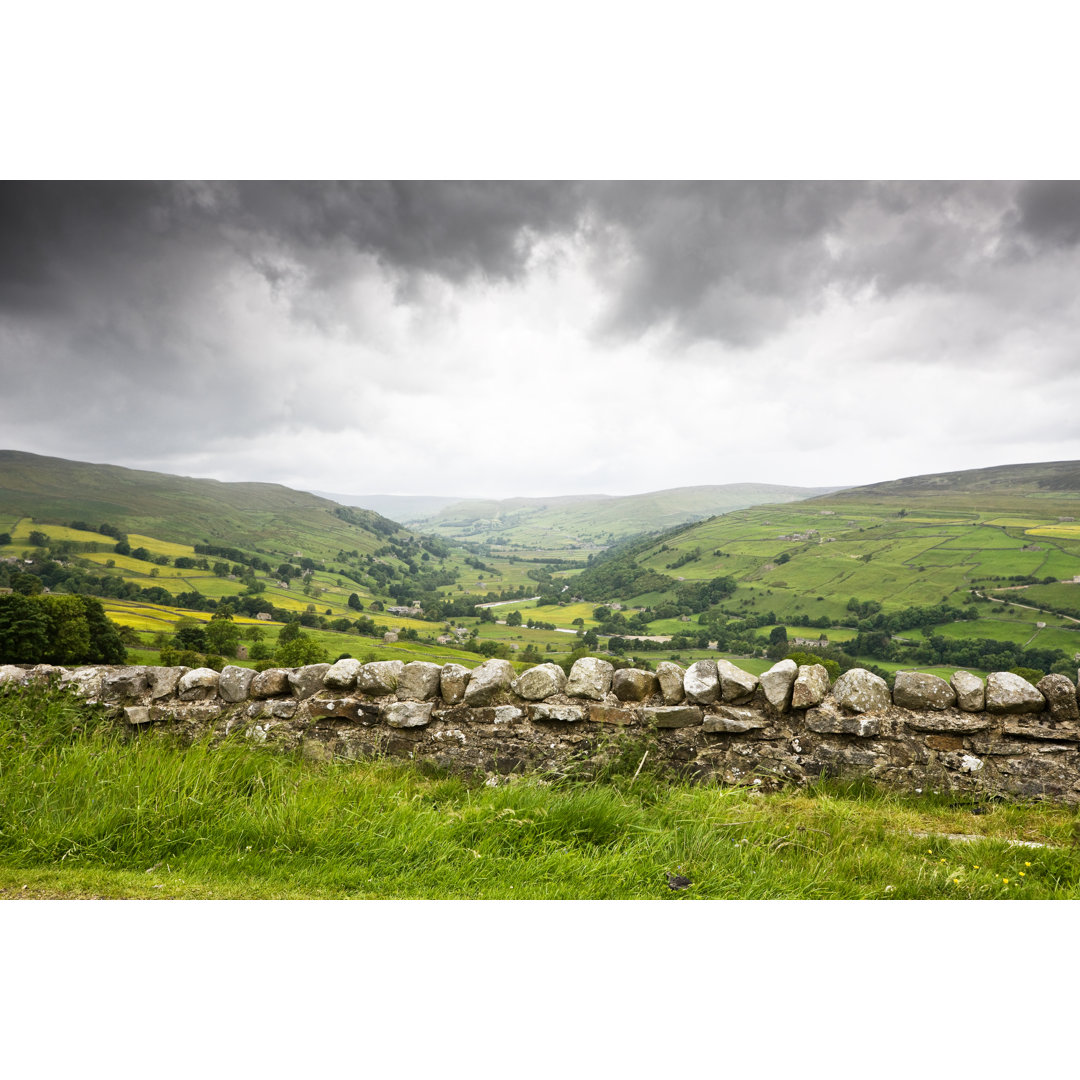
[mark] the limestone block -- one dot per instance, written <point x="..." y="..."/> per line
<point x="950" y="720"/>
<point x="590" y="677"/>
<point x="346" y="709"/>
<point x="11" y="673"/>
<point x="137" y="714"/>
<point x="1060" y="696"/>
<point x="918" y="690"/>
<point x="778" y="683"/>
<point x="379" y="678"/>
<point x="673" y="716"/>
<point x="233" y="683"/>
<point x="419" y="681"/>
<point x="606" y="714"/>
<point x="701" y="683"/>
<point x="670" y="677"/>
<point x="199" y="684"/>
<point x="970" y="692"/>
<point x="633" y="684"/>
<point x="861" y="691"/>
<point x="164" y="680"/>
<point x="564" y="713"/>
<point x="1009" y="693"/>
<point x="126" y="684"/>
<point x="488" y="680"/>
<point x="542" y="681"/>
<point x="452" y="682"/>
<point x="270" y="683"/>
<point x="87" y="682"/>
<point x="736" y="685"/>
<point x="827" y="720"/>
<point x="342" y="674"/>
<point x="307" y="680"/>
<point x="407" y="714"/>
<point x="811" y="686"/>
<point x="733" y="719"/>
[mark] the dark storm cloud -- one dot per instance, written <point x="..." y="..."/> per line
<point x="733" y="262"/>
<point x="54" y="235"/>
<point x="1049" y="211"/>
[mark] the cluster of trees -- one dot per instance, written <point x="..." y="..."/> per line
<point x="367" y="520"/>
<point x="57" y="630"/>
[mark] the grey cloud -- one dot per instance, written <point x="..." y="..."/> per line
<point x="1049" y="211"/>
<point x="725" y="261"/>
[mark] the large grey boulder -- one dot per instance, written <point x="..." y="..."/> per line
<point x="670" y="677"/>
<point x="307" y="680"/>
<point x="200" y="684"/>
<point x="701" y="683"/>
<point x="735" y="684"/>
<point x="126" y="684"/>
<point x="342" y="674"/>
<point x="1009" y="693"/>
<point x="233" y="683"/>
<point x="11" y="673"/>
<point x="273" y="682"/>
<point x="590" y="677"/>
<point x="542" y="681"/>
<point x="488" y="681"/>
<point x="970" y="692"/>
<point x="811" y="686"/>
<point x="1060" y="696"/>
<point x="861" y="691"/>
<point x="85" y="681"/>
<point x="633" y="684"/>
<point x="163" y="681"/>
<point x="918" y="690"/>
<point x="452" y="682"/>
<point x="778" y="682"/>
<point x="673" y="716"/>
<point x="380" y="677"/>
<point x="419" y="681"/>
<point x="407" y="714"/>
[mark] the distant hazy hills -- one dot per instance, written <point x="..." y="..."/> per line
<point x="403" y="508"/>
<point x="569" y="521"/>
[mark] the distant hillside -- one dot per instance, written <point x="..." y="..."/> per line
<point x="590" y="521"/>
<point x="177" y="508"/>
<point x="970" y="569"/>
<point x="1042" y="478"/>
<point x="403" y="508"/>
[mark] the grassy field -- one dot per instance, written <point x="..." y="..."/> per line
<point x="85" y="813"/>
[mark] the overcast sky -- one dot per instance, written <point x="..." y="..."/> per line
<point x="503" y="339"/>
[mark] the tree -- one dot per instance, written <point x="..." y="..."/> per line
<point x="290" y="632"/>
<point x="354" y="602"/>
<point x="298" y="652"/>
<point x="514" y="618"/>
<point x="38" y="539"/>
<point x="222" y="636"/>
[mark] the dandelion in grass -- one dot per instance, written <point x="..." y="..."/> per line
<point x="1006" y="880"/>
<point x="1022" y="874"/>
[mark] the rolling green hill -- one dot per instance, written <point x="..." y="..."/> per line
<point x="589" y="522"/>
<point x="182" y="509"/>
<point x="974" y="543"/>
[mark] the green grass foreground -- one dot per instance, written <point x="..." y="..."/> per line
<point x="86" y="813"/>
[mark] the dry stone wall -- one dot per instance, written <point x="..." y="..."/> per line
<point x="711" y="721"/>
